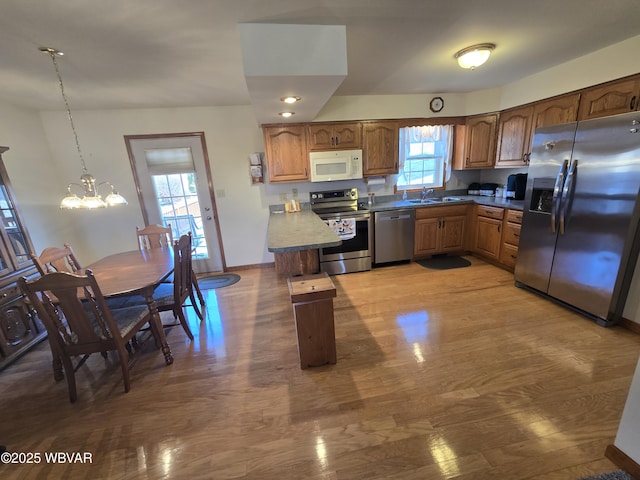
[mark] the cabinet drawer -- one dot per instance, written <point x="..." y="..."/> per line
<point x="509" y="255"/>
<point x="490" y="212"/>
<point x="514" y="216"/>
<point x="441" y="211"/>
<point x="9" y="294"/>
<point x="512" y="233"/>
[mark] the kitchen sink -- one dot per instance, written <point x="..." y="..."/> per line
<point x="430" y="201"/>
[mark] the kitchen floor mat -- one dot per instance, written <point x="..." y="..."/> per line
<point x="444" y="262"/>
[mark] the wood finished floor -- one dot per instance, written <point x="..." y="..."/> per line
<point x="440" y="374"/>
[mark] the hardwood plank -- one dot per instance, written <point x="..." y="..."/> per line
<point x="439" y="374"/>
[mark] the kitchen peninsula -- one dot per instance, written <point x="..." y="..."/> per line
<point x="294" y="239"/>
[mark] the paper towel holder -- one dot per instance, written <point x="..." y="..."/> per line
<point x="375" y="180"/>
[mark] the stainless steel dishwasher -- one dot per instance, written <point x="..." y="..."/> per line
<point x="393" y="235"/>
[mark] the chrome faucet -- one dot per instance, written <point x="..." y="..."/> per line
<point x="425" y="193"/>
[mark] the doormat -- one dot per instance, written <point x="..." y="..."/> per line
<point x="218" y="281"/>
<point x="444" y="262"/>
<point x="615" y="475"/>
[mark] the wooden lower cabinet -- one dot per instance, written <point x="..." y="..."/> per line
<point x="488" y="231"/>
<point x="298" y="262"/>
<point x="439" y="230"/>
<point x="510" y="238"/>
<point x="20" y="329"/>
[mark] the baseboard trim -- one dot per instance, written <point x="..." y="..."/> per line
<point x="622" y="460"/>
<point x="239" y="268"/>
<point x="630" y="325"/>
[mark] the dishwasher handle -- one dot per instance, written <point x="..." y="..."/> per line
<point x="386" y="218"/>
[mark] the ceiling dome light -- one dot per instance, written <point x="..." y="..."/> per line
<point x="474" y="56"/>
<point x="286" y="114"/>
<point x="290" y="99"/>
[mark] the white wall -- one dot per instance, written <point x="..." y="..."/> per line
<point x="231" y="134"/>
<point x="34" y="177"/>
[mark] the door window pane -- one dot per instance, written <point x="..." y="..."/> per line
<point x="177" y="198"/>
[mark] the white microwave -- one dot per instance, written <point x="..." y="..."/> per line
<point x="333" y="165"/>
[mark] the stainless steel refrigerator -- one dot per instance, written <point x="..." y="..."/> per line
<point x="578" y="242"/>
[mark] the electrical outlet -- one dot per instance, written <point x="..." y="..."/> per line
<point x="294" y="191"/>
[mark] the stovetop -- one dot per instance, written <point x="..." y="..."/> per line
<point x="334" y="201"/>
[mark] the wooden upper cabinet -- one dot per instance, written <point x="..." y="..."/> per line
<point x="476" y="142"/>
<point x="327" y="136"/>
<point x="514" y="137"/>
<point x="563" y="109"/>
<point x="287" y="158"/>
<point x="610" y="99"/>
<point x="380" y="148"/>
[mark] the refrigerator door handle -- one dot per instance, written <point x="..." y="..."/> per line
<point x="557" y="193"/>
<point x="568" y="190"/>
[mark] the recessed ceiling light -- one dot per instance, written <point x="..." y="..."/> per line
<point x="474" y="56"/>
<point x="290" y="99"/>
<point x="286" y="114"/>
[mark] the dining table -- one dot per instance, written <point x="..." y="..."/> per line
<point x="137" y="272"/>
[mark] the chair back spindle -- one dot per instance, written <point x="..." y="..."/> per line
<point x="154" y="236"/>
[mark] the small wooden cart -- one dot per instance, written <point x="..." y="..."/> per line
<point x="312" y="299"/>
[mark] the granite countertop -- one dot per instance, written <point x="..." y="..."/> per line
<point x="305" y="230"/>
<point x="386" y="205"/>
<point x="301" y="230"/>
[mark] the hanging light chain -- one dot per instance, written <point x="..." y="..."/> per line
<point x="53" y="54"/>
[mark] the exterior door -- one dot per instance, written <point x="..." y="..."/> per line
<point x="175" y="188"/>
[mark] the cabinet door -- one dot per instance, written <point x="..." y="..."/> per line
<point x="326" y="136"/>
<point x="556" y="111"/>
<point x="480" y="146"/>
<point x="18" y="329"/>
<point x="610" y="99"/>
<point x="15" y="243"/>
<point x="426" y="236"/>
<point x="514" y="137"/>
<point x="488" y="236"/>
<point x="320" y="137"/>
<point x="380" y="148"/>
<point x="286" y="151"/>
<point x="348" y="135"/>
<point x="452" y="233"/>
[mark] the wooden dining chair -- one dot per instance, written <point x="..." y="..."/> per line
<point x="172" y="296"/>
<point x="154" y="236"/>
<point x="56" y="259"/>
<point x="80" y="323"/>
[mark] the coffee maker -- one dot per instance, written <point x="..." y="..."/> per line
<point x="516" y="186"/>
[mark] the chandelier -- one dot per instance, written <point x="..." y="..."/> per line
<point x="90" y="196"/>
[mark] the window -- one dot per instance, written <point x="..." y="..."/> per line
<point x="425" y="157"/>
<point x="173" y="175"/>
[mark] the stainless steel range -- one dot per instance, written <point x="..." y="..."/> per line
<point x="352" y="222"/>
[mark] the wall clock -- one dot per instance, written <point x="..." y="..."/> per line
<point x="436" y="104"/>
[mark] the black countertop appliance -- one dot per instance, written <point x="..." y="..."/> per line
<point x="516" y="186"/>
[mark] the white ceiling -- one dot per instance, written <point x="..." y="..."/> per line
<point x="179" y="53"/>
